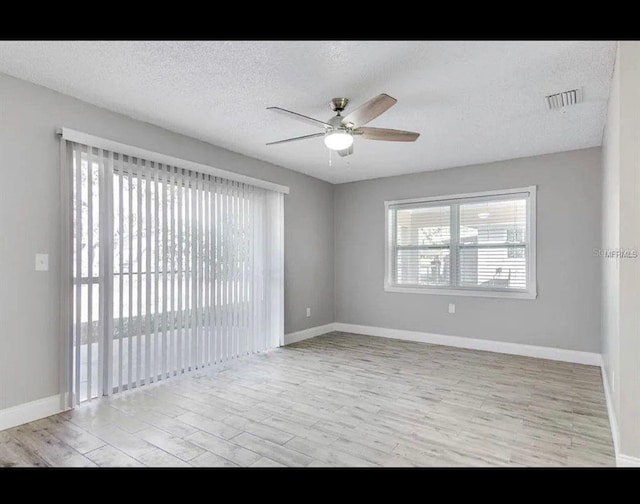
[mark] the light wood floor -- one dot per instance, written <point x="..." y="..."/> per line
<point x="339" y="400"/>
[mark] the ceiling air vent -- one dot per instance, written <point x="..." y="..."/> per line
<point x="564" y="99"/>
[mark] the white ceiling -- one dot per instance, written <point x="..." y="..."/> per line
<point x="472" y="102"/>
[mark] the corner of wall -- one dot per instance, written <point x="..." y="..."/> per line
<point x="335" y="252"/>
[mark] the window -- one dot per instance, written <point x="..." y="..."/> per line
<point x="480" y="244"/>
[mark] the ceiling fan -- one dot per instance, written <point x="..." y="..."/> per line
<point x="339" y="131"/>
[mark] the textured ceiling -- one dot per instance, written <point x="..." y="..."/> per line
<point x="472" y="102"/>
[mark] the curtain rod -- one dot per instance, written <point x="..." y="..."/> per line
<point x="130" y="150"/>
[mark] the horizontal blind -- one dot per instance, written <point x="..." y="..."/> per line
<point x="174" y="270"/>
<point x="423" y="239"/>
<point x="493" y="244"/>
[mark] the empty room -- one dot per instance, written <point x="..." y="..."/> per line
<point x="319" y="254"/>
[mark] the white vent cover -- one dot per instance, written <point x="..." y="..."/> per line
<point x="564" y="99"/>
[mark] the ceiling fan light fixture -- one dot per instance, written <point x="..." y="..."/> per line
<point x="338" y="140"/>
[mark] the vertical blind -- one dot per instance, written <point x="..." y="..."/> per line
<point x="477" y="243"/>
<point x="173" y="270"/>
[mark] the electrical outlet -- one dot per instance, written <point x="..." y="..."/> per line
<point x="452" y="308"/>
<point x="308" y="312"/>
<point x="42" y="262"/>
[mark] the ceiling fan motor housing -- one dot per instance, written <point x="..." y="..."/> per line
<point x="339" y="104"/>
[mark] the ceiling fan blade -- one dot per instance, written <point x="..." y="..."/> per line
<point x="390" y="135"/>
<point x="300" y="117"/>
<point x="295" y="139"/>
<point x="369" y="111"/>
<point x="346" y="152"/>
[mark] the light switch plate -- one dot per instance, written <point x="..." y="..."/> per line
<point x="452" y="308"/>
<point x="42" y="262"/>
<point x="308" y="312"/>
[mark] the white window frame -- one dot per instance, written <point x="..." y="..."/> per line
<point x="530" y="241"/>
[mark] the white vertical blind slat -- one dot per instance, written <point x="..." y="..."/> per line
<point x="164" y="261"/>
<point x="155" y="370"/>
<point x="238" y="265"/>
<point x="278" y="222"/>
<point x="188" y="269"/>
<point x="255" y="266"/>
<point x="103" y="250"/>
<point x="223" y="271"/>
<point x="180" y="282"/>
<point x="266" y="301"/>
<point x="203" y="273"/>
<point x="139" y="287"/>
<point x="243" y="330"/>
<point x="226" y="248"/>
<point x="107" y="254"/>
<point x="234" y="271"/>
<point x="210" y="268"/>
<point x="171" y="262"/>
<point x="67" y="264"/>
<point x="192" y="269"/>
<point x="207" y="266"/>
<point x="79" y="229"/>
<point x="256" y="284"/>
<point x="198" y="271"/>
<point x="252" y="304"/>
<point x="168" y="268"/>
<point x="218" y="276"/>
<point x="147" y="257"/>
<point x="195" y="333"/>
<point x="120" y="180"/>
<point x="89" y="361"/>
<point x="129" y="169"/>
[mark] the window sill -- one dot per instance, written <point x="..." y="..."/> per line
<point x="461" y="292"/>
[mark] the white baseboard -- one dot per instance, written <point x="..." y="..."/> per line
<point x="621" y="459"/>
<point x="627" y="461"/>
<point x="611" y="412"/>
<point x="559" y="354"/>
<point x="28" y="412"/>
<point x="312" y="332"/>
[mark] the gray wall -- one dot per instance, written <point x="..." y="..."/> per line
<point x="29" y="206"/>
<point x="566" y="313"/>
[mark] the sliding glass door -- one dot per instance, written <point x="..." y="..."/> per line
<point x="173" y="270"/>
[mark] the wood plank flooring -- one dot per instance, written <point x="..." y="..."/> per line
<point x="339" y="400"/>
